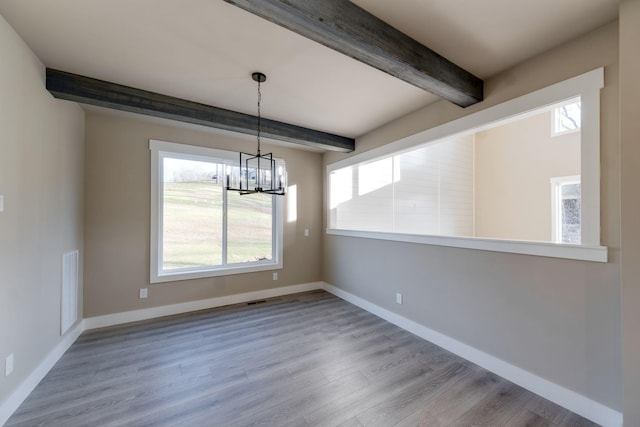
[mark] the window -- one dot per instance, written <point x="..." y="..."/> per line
<point x="198" y="228"/>
<point x="428" y="190"/>
<point x="567" y="117"/>
<point x="482" y="181"/>
<point x="490" y="182"/>
<point x="565" y="209"/>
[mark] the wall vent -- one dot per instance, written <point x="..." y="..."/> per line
<point x="69" y="294"/>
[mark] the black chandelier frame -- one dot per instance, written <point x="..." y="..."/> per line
<point x="262" y="169"/>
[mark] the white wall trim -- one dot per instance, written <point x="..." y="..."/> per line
<point x="544" y="249"/>
<point x="16" y="398"/>
<point x="186" y="307"/>
<point x="571" y="400"/>
<point x="588" y="83"/>
<point x="587" y="86"/>
<point x="161" y="150"/>
<point x="564" y="397"/>
<point x="8" y="407"/>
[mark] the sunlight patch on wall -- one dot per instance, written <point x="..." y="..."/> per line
<point x="375" y="175"/>
<point x="341" y="182"/>
<point x="292" y="203"/>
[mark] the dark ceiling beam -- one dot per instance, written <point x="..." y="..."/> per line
<point x="86" y="90"/>
<point x="351" y="30"/>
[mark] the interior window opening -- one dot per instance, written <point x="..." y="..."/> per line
<point x="491" y="182"/>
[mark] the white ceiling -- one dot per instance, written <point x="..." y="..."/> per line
<point x="205" y="51"/>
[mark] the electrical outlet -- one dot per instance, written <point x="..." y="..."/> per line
<point x="1" y="203"/>
<point x="144" y="293"/>
<point x="306" y="232"/>
<point x="399" y="298"/>
<point x="275" y="276"/>
<point x="8" y="365"/>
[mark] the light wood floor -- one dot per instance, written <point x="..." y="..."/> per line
<point x="306" y="359"/>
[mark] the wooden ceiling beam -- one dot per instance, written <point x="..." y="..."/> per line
<point x="86" y="90"/>
<point x="351" y="30"/>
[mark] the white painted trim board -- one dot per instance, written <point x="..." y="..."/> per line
<point x="564" y="397"/>
<point x="187" y="307"/>
<point x="571" y="400"/>
<point x="9" y="406"/>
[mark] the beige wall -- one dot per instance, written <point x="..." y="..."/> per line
<point x="558" y="319"/>
<point x="630" y="177"/>
<point x="514" y="165"/>
<point x="117" y="215"/>
<point x="41" y="155"/>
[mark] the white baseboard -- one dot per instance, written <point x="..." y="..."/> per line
<point x="14" y="401"/>
<point x="564" y="397"/>
<point x="571" y="400"/>
<point x="186" y="307"/>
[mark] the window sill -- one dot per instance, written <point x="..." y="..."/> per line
<point x="204" y="273"/>
<point x="552" y="250"/>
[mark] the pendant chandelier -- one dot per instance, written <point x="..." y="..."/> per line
<point x="257" y="173"/>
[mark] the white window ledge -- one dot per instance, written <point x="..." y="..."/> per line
<point x="178" y="275"/>
<point x="553" y="250"/>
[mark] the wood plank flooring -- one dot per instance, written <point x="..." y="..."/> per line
<point x="303" y="360"/>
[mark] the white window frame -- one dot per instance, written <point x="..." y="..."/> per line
<point x="556" y="211"/>
<point x="161" y="149"/>
<point x="587" y="86"/>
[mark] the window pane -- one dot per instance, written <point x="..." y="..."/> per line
<point x="570" y="198"/>
<point x="416" y="192"/>
<point x="570" y="191"/>
<point x="192" y="220"/>
<point x="515" y="162"/>
<point x="341" y="186"/>
<point x="374" y="176"/>
<point x="427" y="190"/>
<point x="363" y="207"/>
<point x="249" y="227"/>
<point x="372" y="209"/>
<point x="568" y="117"/>
<point x="456" y="186"/>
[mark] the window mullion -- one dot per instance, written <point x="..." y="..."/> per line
<point x="159" y="230"/>
<point x="225" y="205"/>
<point x="274" y="229"/>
